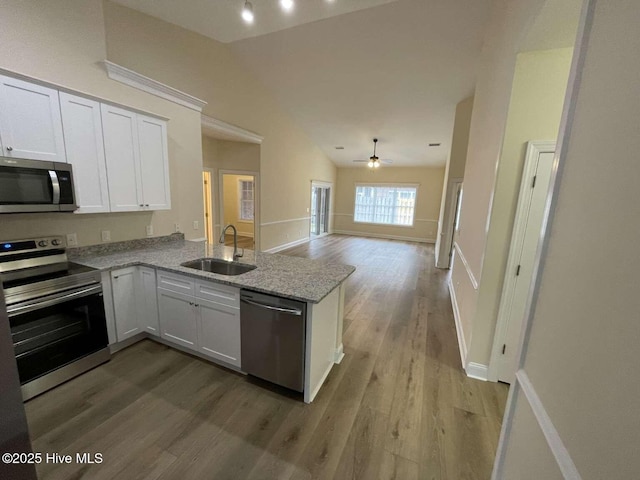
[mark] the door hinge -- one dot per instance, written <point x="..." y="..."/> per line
<point x="504" y="347"/>
<point x="518" y="271"/>
<point x="533" y="183"/>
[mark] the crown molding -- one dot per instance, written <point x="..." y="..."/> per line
<point x="136" y="80"/>
<point x="225" y="131"/>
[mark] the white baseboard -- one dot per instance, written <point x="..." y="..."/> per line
<point x="388" y="237"/>
<point x="339" y="355"/>
<point x="279" y="248"/>
<point x="462" y="345"/>
<point x="477" y="371"/>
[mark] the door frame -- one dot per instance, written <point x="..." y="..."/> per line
<point x="449" y="218"/>
<point x="534" y="150"/>
<point x="320" y="184"/>
<point x="256" y="202"/>
<point x="211" y="221"/>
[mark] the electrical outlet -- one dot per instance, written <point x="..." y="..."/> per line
<point x="149" y="230"/>
<point x="196" y="224"/>
<point x="176" y="228"/>
<point x="106" y="235"/>
<point x="72" y="240"/>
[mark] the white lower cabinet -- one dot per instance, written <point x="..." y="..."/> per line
<point x="178" y="319"/>
<point x="123" y="283"/>
<point x="135" y="305"/>
<point x="200" y="315"/>
<point x="148" y="301"/>
<point x="219" y="331"/>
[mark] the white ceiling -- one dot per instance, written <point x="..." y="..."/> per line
<point x="394" y="71"/>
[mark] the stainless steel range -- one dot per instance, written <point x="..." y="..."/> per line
<point x="56" y="313"/>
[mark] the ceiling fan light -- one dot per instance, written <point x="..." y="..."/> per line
<point x="376" y="164"/>
<point x="247" y="12"/>
<point x="286" y="4"/>
<point x="370" y="164"/>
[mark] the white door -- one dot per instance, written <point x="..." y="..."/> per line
<point x="530" y="215"/>
<point x="82" y="125"/>
<point x="148" y="301"/>
<point x="219" y="331"/>
<point x="123" y="283"/>
<point x="154" y="164"/>
<point x="30" y="121"/>
<point x="121" y="146"/>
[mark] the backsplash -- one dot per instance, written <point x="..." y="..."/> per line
<point x="106" y="248"/>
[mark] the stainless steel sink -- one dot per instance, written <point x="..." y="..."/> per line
<point x="222" y="267"/>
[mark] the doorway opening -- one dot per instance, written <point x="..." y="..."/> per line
<point x="320" y="208"/>
<point x="238" y="196"/>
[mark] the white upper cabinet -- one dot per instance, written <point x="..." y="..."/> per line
<point x="137" y="160"/>
<point x="120" y="128"/>
<point x="30" y="121"/>
<point x="82" y="125"/>
<point x="154" y="163"/>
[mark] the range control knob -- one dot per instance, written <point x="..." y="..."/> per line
<point x="43" y="243"/>
<point x="56" y="242"/>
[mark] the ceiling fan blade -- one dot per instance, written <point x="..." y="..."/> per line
<point x="364" y="161"/>
<point x="387" y="161"/>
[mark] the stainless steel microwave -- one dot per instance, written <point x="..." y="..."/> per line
<point x="35" y="186"/>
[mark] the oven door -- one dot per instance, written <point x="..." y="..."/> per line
<point x="52" y="331"/>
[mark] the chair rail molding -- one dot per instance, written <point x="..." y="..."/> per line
<point x="137" y="80"/>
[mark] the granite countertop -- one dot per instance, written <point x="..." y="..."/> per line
<point x="292" y="277"/>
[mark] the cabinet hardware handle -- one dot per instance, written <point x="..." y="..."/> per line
<point x="142" y="205"/>
<point x="116" y="277"/>
<point x="10" y="149"/>
<point x="146" y="204"/>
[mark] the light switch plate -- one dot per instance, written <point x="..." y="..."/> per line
<point x="106" y="235"/>
<point x="196" y="224"/>
<point x="149" y="230"/>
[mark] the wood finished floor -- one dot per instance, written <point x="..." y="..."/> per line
<point x="398" y="406"/>
<point x="243" y="242"/>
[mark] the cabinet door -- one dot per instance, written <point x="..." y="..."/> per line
<point x="82" y="125"/>
<point x="30" y="122"/>
<point x="123" y="283"/>
<point x="148" y="301"/>
<point x="219" y="331"/>
<point x="177" y="318"/>
<point x="121" y="148"/>
<point x="154" y="163"/>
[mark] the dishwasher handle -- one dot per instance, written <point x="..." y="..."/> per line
<point x="292" y="311"/>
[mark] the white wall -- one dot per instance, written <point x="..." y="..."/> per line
<point x="582" y="352"/>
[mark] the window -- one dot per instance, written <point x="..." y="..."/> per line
<point x="385" y="204"/>
<point x="245" y="194"/>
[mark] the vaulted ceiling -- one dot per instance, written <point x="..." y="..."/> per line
<point x="351" y="70"/>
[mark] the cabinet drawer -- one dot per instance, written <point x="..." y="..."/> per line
<point x="176" y="283"/>
<point x="215" y="292"/>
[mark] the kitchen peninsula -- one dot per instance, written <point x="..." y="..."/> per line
<point x="149" y="293"/>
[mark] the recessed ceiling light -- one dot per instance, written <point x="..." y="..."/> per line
<point x="247" y="12"/>
<point x="434" y="144"/>
<point x="286" y="4"/>
<point x="339" y="148"/>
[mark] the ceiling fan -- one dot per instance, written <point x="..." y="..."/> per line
<point x="374" y="161"/>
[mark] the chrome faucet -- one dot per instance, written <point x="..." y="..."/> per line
<point x="236" y="255"/>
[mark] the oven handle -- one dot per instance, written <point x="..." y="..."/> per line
<point x="37" y="304"/>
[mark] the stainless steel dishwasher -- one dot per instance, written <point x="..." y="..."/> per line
<point x="273" y="338"/>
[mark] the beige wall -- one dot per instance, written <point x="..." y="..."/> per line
<point x="63" y="42"/>
<point x="582" y="352"/>
<point x="538" y="92"/>
<point x="208" y="69"/>
<point x="428" y="200"/>
<point x="231" y="194"/>
<point x="453" y="170"/>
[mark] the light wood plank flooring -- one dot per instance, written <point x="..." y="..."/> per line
<point x="398" y="406"/>
<point x="243" y="242"/>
